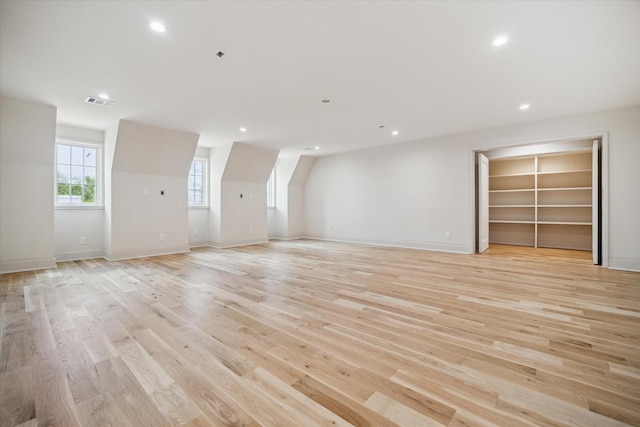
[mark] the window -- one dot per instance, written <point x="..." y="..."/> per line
<point x="196" y="187"/>
<point x="271" y="190"/>
<point x="78" y="171"/>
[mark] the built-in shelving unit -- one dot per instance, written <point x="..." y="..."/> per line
<point x="542" y="200"/>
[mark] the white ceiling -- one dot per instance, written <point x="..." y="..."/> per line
<point x="423" y="68"/>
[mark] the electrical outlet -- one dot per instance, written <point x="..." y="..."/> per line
<point x="83" y="240"/>
<point x="162" y="237"/>
<point x="447" y="235"/>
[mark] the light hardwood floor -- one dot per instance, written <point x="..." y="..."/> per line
<point x="307" y="333"/>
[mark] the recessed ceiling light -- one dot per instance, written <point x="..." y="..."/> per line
<point x="243" y="129"/>
<point x="395" y="132"/>
<point x="158" y="27"/>
<point x="104" y="96"/>
<point x="524" y="107"/>
<point x="326" y="101"/>
<point x="500" y="40"/>
<point x="316" y="148"/>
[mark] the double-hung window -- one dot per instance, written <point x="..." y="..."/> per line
<point x="78" y="174"/>
<point x="197" y="183"/>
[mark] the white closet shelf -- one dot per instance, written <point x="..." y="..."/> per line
<point x="562" y="223"/>
<point x="563" y="172"/>
<point x="507" y="175"/>
<point x="564" y="206"/>
<point x="564" y="188"/>
<point x="502" y="221"/>
<point x="512" y="206"/>
<point x="512" y="190"/>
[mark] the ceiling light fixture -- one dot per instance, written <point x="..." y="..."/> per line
<point x="524" y="107"/>
<point x="316" y="148"/>
<point x="394" y="133"/>
<point x="104" y="96"/>
<point x="158" y="27"/>
<point x="220" y="54"/>
<point x="500" y="41"/>
<point x="243" y="129"/>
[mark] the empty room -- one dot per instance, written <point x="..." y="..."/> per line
<point x="319" y="213"/>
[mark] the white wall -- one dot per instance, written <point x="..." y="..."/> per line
<point x="238" y="213"/>
<point x="411" y="194"/>
<point x="110" y="138"/>
<point x="217" y="162"/>
<point x="70" y="224"/>
<point x="27" y="144"/>
<point x="283" y="170"/>
<point x="198" y="227"/>
<point x="288" y="216"/>
<point x="296" y="197"/>
<point x="148" y="208"/>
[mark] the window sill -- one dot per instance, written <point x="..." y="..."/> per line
<point x="78" y="208"/>
<point x="198" y="207"/>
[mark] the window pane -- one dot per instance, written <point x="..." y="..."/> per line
<point x="63" y="154"/>
<point x="64" y="174"/>
<point x="77" y="156"/>
<point x="197" y="168"/>
<point x="198" y="197"/>
<point x="63" y="190"/>
<point x="76" y="190"/>
<point x="89" y="195"/>
<point x="191" y="197"/>
<point x="90" y="155"/>
<point x="63" y="194"/>
<point x="89" y="175"/>
<point x="76" y="175"/>
<point x="197" y="185"/>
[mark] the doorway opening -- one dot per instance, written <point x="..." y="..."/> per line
<point x="548" y="194"/>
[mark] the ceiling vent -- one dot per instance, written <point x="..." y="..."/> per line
<point x="99" y="101"/>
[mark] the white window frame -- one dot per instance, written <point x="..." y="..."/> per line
<point x="99" y="184"/>
<point x="271" y="190"/>
<point x="205" y="183"/>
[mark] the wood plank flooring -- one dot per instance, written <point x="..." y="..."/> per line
<point x="308" y="333"/>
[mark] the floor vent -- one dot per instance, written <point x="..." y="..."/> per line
<point x="98" y="101"/>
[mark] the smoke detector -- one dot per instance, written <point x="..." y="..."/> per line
<point x="95" y="100"/>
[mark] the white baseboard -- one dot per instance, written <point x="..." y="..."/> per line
<point x="427" y="246"/>
<point x="237" y="243"/>
<point x="143" y="253"/>
<point x="288" y="237"/>
<point x="626" y="264"/>
<point x="30" y="264"/>
<point x="80" y="255"/>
